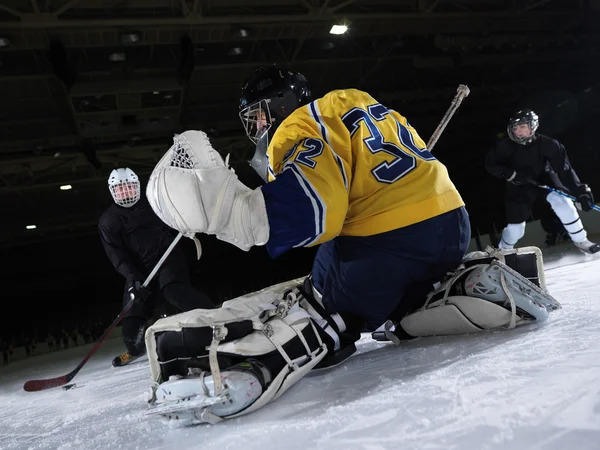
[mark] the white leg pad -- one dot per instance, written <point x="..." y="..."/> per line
<point x="458" y="315"/>
<point x="485" y="293"/>
<point x="279" y="325"/>
<point x="511" y="235"/>
<point x="568" y="215"/>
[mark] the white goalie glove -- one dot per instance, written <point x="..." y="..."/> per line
<point x="192" y="190"/>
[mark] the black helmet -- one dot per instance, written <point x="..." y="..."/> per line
<point x="524" y="116"/>
<point x="268" y="97"/>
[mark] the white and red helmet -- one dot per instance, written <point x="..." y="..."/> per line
<point x="124" y="186"/>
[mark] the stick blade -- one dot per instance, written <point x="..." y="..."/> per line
<point x="41" y="385"/>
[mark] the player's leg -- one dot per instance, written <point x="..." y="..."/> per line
<point x="369" y="277"/>
<point x="176" y="286"/>
<point x="133" y="327"/>
<point x="511" y="234"/>
<point x="517" y="209"/>
<point x="186" y="297"/>
<point x="568" y="215"/>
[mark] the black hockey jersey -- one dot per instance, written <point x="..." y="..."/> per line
<point x="134" y="238"/>
<point x="544" y="160"/>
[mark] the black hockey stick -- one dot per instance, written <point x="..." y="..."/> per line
<point x="40" y="385"/>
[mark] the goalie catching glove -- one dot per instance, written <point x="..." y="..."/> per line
<point x="192" y="190"/>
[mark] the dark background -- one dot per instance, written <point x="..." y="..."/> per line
<point x="89" y="86"/>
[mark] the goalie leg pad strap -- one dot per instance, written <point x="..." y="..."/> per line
<point x="284" y="340"/>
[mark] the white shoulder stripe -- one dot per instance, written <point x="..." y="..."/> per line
<point x="315" y="113"/>
<point x="319" y="207"/>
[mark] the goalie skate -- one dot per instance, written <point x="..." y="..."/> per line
<point x="184" y="401"/>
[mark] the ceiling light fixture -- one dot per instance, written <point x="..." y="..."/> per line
<point x="130" y="38"/>
<point x="338" y="29"/>
<point x="117" y="57"/>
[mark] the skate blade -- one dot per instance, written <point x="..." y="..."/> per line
<point x="184" y="404"/>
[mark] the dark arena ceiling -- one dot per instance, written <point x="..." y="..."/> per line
<point x="90" y="85"/>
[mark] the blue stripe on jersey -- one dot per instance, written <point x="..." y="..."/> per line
<point x="341" y="166"/>
<point x="296" y="212"/>
<point x="316" y="115"/>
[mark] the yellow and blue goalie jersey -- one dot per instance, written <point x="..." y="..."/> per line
<point x="346" y="165"/>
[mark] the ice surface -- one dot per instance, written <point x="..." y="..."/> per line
<point x="536" y="387"/>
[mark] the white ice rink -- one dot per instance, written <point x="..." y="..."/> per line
<point x="536" y="387"/>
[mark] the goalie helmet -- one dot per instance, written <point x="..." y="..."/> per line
<point x="124" y="186"/>
<point x="523" y="117"/>
<point x="268" y="97"/>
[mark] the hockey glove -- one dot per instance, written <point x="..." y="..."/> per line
<point x="517" y="180"/>
<point x="193" y="190"/>
<point x="585" y="198"/>
<point x="138" y="292"/>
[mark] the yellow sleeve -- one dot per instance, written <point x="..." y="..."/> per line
<point x="307" y="199"/>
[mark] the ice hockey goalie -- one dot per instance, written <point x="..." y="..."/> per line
<point x="211" y="365"/>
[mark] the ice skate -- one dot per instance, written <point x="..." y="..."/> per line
<point x="587" y="247"/>
<point x="125" y="358"/>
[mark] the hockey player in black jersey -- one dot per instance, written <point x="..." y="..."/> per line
<point x="134" y="239"/>
<point x="526" y="156"/>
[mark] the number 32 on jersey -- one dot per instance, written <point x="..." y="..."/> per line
<point x="404" y="162"/>
<point x="386" y="172"/>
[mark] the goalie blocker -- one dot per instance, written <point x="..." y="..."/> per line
<point x="210" y="365"/>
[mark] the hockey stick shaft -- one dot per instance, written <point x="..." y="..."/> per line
<point x="461" y="92"/>
<point x="40" y="385"/>
<point x="559" y="192"/>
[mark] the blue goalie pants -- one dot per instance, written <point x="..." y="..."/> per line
<point x="388" y="275"/>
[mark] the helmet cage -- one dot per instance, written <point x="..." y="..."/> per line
<point x="257" y="119"/>
<point x="125" y="193"/>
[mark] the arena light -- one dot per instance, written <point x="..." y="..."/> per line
<point x="241" y="32"/>
<point x="235" y="51"/>
<point x="338" y="29"/>
<point x="117" y="57"/>
<point x="131" y="37"/>
<point x="66" y="187"/>
<point x="31" y="227"/>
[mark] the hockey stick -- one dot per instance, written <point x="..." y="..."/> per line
<point x="462" y="92"/>
<point x="40" y="385"/>
<point x="559" y="192"/>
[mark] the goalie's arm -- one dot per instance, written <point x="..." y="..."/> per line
<point x="307" y="202"/>
<point x="305" y="205"/>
